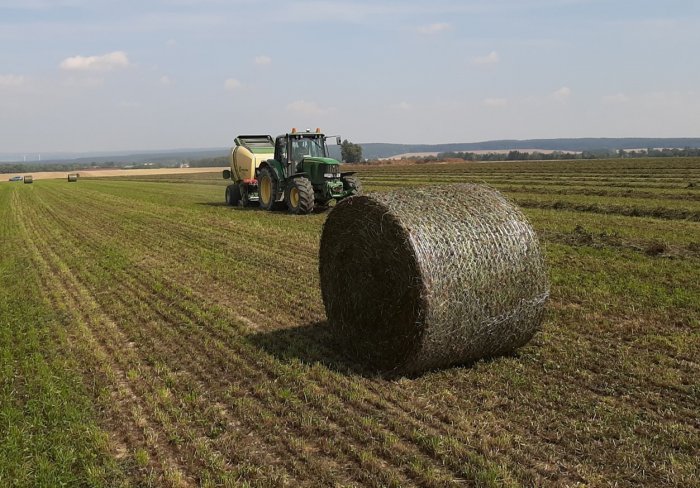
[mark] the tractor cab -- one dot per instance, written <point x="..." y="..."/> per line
<point x="292" y="148"/>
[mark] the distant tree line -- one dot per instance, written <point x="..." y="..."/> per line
<point x="562" y="155"/>
<point x="216" y="162"/>
<point x="660" y="153"/>
<point x="31" y="167"/>
<point x="352" y="153"/>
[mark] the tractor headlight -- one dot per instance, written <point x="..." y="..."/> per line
<point x="331" y="175"/>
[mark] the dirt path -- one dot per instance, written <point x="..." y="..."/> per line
<point x="102" y="173"/>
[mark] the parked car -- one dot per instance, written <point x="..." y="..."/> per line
<point x="16" y="178"/>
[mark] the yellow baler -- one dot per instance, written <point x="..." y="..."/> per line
<point x="246" y="156"/>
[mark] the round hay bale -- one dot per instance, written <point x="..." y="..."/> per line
<point x="28" y="179"/>
<point x="72" y="178"/>
<point x="417" y="279"/>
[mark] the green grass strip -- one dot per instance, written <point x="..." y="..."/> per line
<point x="48" y="431"/>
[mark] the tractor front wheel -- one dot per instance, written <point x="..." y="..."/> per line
<point x="299" y="196"/>
<point x="352" y="183"/>
<point x="233" y="195"/>
<point x="267" y="188"/>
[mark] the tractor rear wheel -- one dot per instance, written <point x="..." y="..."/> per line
<point x="233" y="195"/>
<point x="299" y="196"/>
<point x="352" y="183"/>
<point x="267" y="188"/>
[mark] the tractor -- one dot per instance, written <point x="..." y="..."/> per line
<point x="293" y="170"/>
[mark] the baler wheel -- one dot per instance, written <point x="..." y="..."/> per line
<point x="243" y="190"/>
<point x="233" y="195"/>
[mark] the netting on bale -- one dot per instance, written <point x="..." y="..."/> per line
<point x="416" y="279"/>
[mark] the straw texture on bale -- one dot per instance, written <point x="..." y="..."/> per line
<point x="416" y="279"/>
<point x="28" y="179"/>
<point x="72" y="178"/>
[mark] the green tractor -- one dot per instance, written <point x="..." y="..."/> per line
<point x="299" y="175"/>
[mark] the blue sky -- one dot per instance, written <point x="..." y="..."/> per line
<point x="100" y="75"/>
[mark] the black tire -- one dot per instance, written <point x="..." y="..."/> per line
<point x="267" y="194"/>
<point x="243" y="191"/>
<point x="233" y="195"/>
<point x="299" y="196"/>
<point x="352" y="183"/>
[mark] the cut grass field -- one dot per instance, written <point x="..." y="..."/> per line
<point x="151" y="335"/>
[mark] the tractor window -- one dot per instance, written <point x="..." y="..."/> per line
<point x="281" y="150"/>
<point x="307" y="146"/>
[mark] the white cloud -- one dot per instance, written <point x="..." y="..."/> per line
<point x="495" y="102"/>
<point x="11" y="80"/>
<point x="165" y="80"/>
<point x="232" y="84"/>
<point x="490" y="58"/>
<point x="562" y="94"/>
<point x="105" y="62"/>
<point x="304" y="107"/>
<point x="434" y="28"/>
<point x="263" y="60"/>
<point x="617" y="98"/>
<point x="403" y="106"/>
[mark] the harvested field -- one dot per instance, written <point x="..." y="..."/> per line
<point x="151" y="335"/>
<point x="111" y="173"/>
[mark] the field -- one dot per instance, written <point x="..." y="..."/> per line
<point x="151" y="335"/>
<point x="104" y="173"/>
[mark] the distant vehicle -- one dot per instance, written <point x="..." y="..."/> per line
<point x="16" y="178"/>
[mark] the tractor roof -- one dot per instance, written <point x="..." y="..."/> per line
<point x="304" y="133"/>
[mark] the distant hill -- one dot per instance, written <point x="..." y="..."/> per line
<point x="371" y="150"/>
<point x="383" y="150"/>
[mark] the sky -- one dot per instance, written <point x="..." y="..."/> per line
<point x="107" y="75"/>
